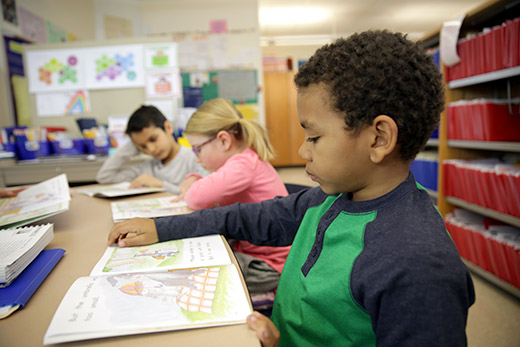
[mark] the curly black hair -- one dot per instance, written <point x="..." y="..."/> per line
<point x="144" y="117"/>
<point x="378" y="72"/>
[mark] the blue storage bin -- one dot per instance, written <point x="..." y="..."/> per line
<point x="8" y="147"/>
<point x="98" y="145"/>
<point x="425" y="172"/>
<point x="27" y="150"/>
<point x="68" y="147"/>
<point x="435" y="134"/>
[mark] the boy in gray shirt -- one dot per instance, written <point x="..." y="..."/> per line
<point x="152" y="134"/>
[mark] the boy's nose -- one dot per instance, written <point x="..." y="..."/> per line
<point x="303" y="153"/>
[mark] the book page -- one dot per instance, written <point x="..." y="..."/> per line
<point x="118" y="189"/>
<point x="176" y="254"/>
<point x="45" y="198"/>
<point x="148" y="208"/>
<point x="16" y="242"/>
<point x="138" y="303"/>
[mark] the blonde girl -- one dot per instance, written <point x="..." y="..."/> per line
<point x="236" y="151"/>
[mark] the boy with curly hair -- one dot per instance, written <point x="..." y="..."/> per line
<point x="371" y="261"/>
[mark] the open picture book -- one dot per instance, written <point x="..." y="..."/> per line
<point x="37" y="202"/>
<point x="117" y="190"/>
<point x="147" y="208"/>
<point x="172" y="285"/>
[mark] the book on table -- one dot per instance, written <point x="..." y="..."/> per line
<point x="19" y="247"/>
<point x="37" y="202"/>
<point x="116" y="190"/>
<point x="148" y="208"/>
<point x="173" y="285"/>
<point x="16" y="295"/>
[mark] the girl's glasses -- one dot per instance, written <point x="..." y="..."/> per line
<point x="196" y="149"/>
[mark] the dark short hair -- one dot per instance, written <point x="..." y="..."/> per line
<point x="380" y="73"/>
<point x="144" y="117"/>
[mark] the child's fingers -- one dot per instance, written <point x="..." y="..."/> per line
<point x="265" y="329"/>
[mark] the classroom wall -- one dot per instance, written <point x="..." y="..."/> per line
<point x="74" y="16"/>
<point x="87" y="20"/>
<point x="296" y="53"/>
<point x="162" y="16"/>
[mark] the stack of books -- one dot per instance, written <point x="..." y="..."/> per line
<point x="23" y="264"/>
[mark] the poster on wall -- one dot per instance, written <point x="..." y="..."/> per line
<point x="32" y="26"/>
<point x="114" y="67"/>
<point x="160" y="56"/>
<point x="62" y="103"/>
<point x="55" y="70"/>
<point x="163" y="83"/>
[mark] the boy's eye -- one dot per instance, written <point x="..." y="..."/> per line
<point x="312" y="139"/>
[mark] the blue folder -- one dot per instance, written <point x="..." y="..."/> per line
<point x="23" y="287"/>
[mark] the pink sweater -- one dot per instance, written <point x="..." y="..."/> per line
<point x="244" y="178"/>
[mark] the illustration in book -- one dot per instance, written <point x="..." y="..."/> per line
<point x="148" y="208"/>
<point x="153" y="289"/>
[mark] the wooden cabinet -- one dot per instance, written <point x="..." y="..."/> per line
<point x="281" y="116"/>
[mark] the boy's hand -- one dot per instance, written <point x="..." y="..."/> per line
<point x="133" y="232"/>
<point x="145" y="180"/>
<point x="265" y="329"/>
<point x="7" y="193"/>
<point x="184" y="187"/>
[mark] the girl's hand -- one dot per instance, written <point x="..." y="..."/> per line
<point x="133" y="232"/>
<point x="265" y="329"/>
<point x="185" y="186"/>
<point x="145" y="180"/>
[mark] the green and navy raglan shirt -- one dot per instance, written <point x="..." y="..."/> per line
<point x="380" y="272"/>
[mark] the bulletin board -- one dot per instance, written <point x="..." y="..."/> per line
<point x="113" y="78"/>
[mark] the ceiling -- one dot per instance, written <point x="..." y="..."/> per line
<point x="312" y="21"/>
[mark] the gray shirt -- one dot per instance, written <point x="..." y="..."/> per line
<point x="172" y="174"/>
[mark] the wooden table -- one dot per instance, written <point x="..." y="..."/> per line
<point x="82" y="232"/>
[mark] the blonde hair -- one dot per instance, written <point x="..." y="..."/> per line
<point x="220" y="114"/>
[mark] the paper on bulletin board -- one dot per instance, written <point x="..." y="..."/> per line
<point x="199" y="78"/>
<point x="162" y="84"/>
<point x="237" y="85"/>
<point x="55" y="70"/>
<point x="249" y="111"/>
<point x="32" y="26"/>
<point x="218" y="44"/>
<point x="55" y="34"/>
<point x="167" y="106"/>
<point x="194" y="54"/>
<point x="160" y="56"/>
<point x="114" y="67"/>
<point x="62" y="103"/>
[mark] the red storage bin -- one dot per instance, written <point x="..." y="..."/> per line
<point x="484" y="120"/>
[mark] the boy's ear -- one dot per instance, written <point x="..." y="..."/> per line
<point x="168" y="127"/>
<point x="385" y="131"/>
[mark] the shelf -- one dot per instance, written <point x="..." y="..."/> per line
<point x="508" y="287"/>
<point x="487" y="77"/>
<point x="485" y="211"/>
<point x="486" y="145"/>
<point x="432" y="143"/>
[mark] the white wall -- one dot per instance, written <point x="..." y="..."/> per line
<point x="124" y="9"/>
